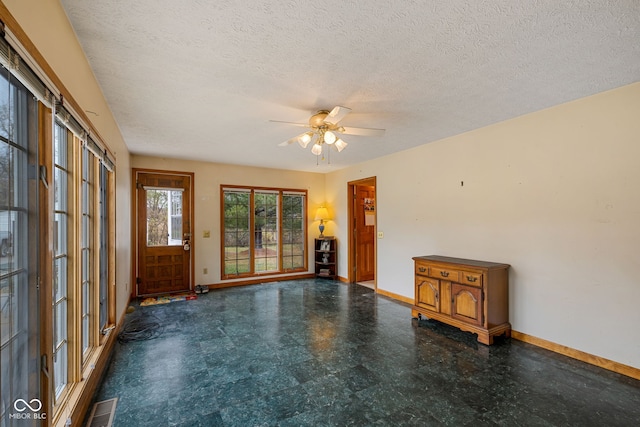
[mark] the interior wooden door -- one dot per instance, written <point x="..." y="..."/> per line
<point x="364" y="215"/>
<point x="163" y="233"/>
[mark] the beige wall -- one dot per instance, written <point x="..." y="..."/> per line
<point x="555" y="194"/>
<point x="208" y="178"/>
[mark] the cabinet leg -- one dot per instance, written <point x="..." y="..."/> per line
<point x="417" y="315"/>
<point x="485" y="339"/>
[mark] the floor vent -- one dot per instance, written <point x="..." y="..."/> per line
<point x="103" y="413"/>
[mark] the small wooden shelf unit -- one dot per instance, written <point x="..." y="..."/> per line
<point x="468" y="294"/>
<point x="326" y="258"/>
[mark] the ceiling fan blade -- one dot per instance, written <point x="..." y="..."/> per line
<point x="362" y="131"/>
<point x="338" y="113"/>
<point x="303" y="139"/>
<point x="289" y="141"/>
<point x="304" y="125"/>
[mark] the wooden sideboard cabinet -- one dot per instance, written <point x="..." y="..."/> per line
<point x="468" y="294"/>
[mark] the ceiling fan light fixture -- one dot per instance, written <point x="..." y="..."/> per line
<point x="304" y="139"/>
<point x="340" y="144"/>
<point x="325" y="128"/>
<point x="329" y="137"/>
<point x="316" y="149"/>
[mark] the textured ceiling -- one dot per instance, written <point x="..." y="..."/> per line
<point x="201" y="79"/>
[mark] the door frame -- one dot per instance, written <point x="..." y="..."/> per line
<point x="134" y="223"/>
<point x="351" y="239"/>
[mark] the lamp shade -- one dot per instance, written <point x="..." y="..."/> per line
<point x="329" y="137"/>
<point x="322" y="214"/>
<point x="340" y="144"/>
<point x="304" y="139"/>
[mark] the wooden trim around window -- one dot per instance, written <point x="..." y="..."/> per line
<point x="45" y="137"/>
<point x="281" y="272"/>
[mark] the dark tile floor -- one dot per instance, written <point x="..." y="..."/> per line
<point x="322" y="353"/>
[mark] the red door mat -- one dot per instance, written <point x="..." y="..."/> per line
<point x="166" y="299"/>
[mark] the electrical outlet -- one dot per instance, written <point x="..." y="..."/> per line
<point x="205" y="270"/>
<point x="380" y="235"/>
<point x="206" y="234"/>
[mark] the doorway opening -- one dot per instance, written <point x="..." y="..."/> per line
<point x="362" y="212"/>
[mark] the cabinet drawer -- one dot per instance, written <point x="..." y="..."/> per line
<point x="444" y="273"/>
<point x="472" y="279"/>
<point x="422" y="269"/>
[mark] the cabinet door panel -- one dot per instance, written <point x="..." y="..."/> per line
<point x="428" y="293"/>
<point x="467" y="303"/>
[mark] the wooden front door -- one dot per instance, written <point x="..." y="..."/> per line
<point x="164" y="240"/>
<point x="365" y="239"/>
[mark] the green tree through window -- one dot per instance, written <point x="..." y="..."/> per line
<point x="263" y="231"/>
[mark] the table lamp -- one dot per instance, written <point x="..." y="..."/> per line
<point x="322" y="215"/>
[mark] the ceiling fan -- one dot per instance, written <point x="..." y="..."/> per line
<point x="324" y="125"/>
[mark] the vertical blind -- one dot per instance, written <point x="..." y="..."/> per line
<point x="19" y="297"/>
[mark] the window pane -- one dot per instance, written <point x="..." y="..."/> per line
<point x="60" y="233"/>
<point x="293" y="233"/>
<point x="60" y="151"/>
<point x="85" y="334"/>
<point x="286" y="263"/>
<point x="19" y="326"/>
<point x="60" y="189"/>
<point x="85" y="265"/>
<point x="8" y="229"/>
<point x="60" y="369"/>
<point x="60" y="244"/>
<point x="59" y="279"/>
<point x="88" y="195"/>
<point x="86" y="292"/>
<point x="236" y="233"/>
<point x="9" y="304"/>
<point x="60" y="327"/>
<point x="266" y="232"/>
<point x="157" y="226"/>
<point x="104" y="246"/>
